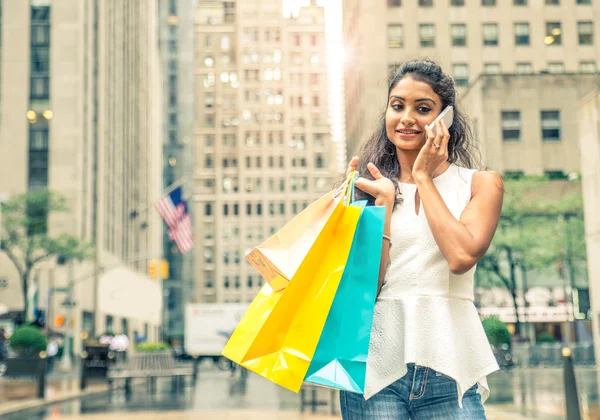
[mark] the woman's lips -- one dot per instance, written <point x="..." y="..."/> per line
<point x="408" y="134"/>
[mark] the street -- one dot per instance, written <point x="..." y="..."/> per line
<point x="522" y="393"/>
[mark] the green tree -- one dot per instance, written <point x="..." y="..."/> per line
<point x="25" y="238"/>
<point x="541" y="227"/>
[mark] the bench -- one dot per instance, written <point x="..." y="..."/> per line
<point x="150" y="366"/>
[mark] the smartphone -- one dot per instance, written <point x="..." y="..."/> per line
<point x="447" y="115"/>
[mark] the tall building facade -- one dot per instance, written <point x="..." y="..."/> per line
<point x="529" y="123"/>
<point x="176" y="39"/>
<point x="470" y="38"/>
<point x="262" y="141"/>
<point x="590" y="168"/>
<point x="79" y="115"/>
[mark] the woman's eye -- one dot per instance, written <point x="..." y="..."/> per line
<point x="424" y="109"/>
<point x="396" y="107"/>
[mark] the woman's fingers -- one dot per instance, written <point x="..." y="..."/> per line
<point x="352" y="165"/>
<point x="430" y="137"/>
<point x="445" y="134"/>
<point x="374" y="171"/>
<point x="367" y="186"/>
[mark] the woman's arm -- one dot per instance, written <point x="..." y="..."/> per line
<point x="463" y="242"/>
<point x="384" y="192"/>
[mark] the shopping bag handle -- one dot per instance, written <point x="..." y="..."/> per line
<point x="350" y="195"/>
<point x="347" y="185"/>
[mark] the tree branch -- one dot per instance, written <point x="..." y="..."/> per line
<point x="15" y="261"/>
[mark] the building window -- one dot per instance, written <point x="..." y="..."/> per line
<point x="587" y="67"/>
<point x="458" y="33"/>
<point x="556" y="67"/>
<point x="490" y="34"/>
<point x="584" y="1"/>
<point x="427" y="35"/>
<point x="460" y="73"/>
<point x="109" y="324"/>
<point x="513" y="174"/>
<point x="395" y="36"/>
<point x="249" y="209"/>
<point x="521" y="33"/>
<point x="38" y="155"/>
<point x="40" y="87"/>
<point x="555" y="174"/>
<point x="553" y="33"/>
<point x="457" y="2"/>
<point x="585" y="31"/>
<point x="524" y="68"/>
<point x="394" y="3"/>
<point x="319" y="161"/>
<point x="488" y="2"/>
<point x="552" y="2"/>
<point x="208" y="209"/>
<point x="208" y="280"/>
<point x="491" y="68"/>
<point x="426" y="3"/>
<point x="520" y="2"/>
<point x="511" y="125"/>
<point x="551" y="125"/>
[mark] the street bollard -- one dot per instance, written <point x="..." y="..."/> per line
<point x="570" y="382"/>
<point x="41" y="376"/>
<point x="84" y="371"/>
<point x="195" y="374"/>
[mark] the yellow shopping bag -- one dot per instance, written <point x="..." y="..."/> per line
<point x="278" y="335"/>
<point x="278" y="258"/>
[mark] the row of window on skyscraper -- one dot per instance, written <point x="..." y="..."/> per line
<point x="490" y="34"/>
<point x="550" y="125"/>
<point x="431" y="3"/>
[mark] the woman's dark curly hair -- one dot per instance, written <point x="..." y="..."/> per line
<point x="382" y="152"/>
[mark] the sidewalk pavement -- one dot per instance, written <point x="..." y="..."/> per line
<point x="17" y="394"/>
<point x="492" y="414"/>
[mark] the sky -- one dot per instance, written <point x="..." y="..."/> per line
<point x="335" y="60"/>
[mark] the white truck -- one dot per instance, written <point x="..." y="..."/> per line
<point x="208" y="326"/>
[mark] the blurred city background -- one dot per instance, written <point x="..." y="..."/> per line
<point x="147" y="145"/>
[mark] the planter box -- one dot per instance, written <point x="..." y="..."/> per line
<point x="23" y="368"/>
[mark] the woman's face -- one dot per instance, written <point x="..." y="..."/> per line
<point x="411" y="106"/>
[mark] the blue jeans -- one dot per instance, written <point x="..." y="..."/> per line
<point x="422" y="394"/>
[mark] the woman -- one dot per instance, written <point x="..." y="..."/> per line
<point x="428" y="356"/>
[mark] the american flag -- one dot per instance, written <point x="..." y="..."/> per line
<point x="174" y="211"/>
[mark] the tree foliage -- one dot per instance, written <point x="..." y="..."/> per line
<point x="541" y="228"/>
<point x="25" y="238"/>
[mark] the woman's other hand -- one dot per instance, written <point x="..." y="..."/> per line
<point x="382" y="189"/>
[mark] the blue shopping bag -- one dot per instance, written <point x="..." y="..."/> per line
<point x="340" y="359"/>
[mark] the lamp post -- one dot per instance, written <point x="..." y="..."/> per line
<point x="66" y="361"/>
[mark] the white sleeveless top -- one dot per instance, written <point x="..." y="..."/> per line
<point x="425" y="314"/>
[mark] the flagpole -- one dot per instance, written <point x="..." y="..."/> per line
<point x="175" y="185"/>
<point x="169" y="189"/>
